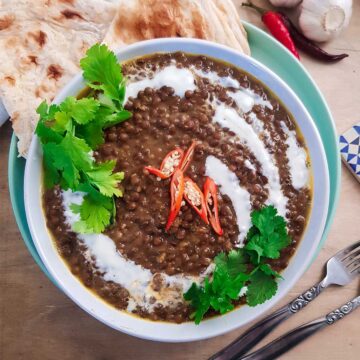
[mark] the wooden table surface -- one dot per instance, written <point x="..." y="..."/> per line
<point x="37" y="321"/>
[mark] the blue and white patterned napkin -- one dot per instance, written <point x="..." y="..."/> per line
<point x="350" y="149"/>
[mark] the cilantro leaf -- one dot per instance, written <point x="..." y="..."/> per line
<point x="62" y="122"/>
<point x="115" y="118"/>
<point x="244" y="267"/>
<point x="225" y="285"/>
<point x="235" y="261"/>
<point x="46" y="133"/>
<point x="44" y="129"/>
<point x="262" y="287"/>
<point x="71" y="130"/>
<point x="58" y="161"/>
<point x="78" y="150"/>
<point x="47" y="112"/>
<point x="52" y="117"/>
<point x="65" y="161"/>
<point x="255" y="244"/>
<point x="268" y="270"/>
<point x="92" y="133"/>
<point x="52" y="175"/>
<point x="199" y="300"/>
<point x="219" y="293"/>
<point x="268" y="235"/>
<point x="276" y="242"/>
<point x="263" y="219"/>
<point x="82" y="111"/>
<point x="96" y="211"/>
<point x="106" y="181"/>
<point x="102" y="71"/>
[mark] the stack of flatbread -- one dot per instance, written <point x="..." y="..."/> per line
<point x="42" y="42"/>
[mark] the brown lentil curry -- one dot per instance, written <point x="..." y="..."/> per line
<point x="162" y="121"/>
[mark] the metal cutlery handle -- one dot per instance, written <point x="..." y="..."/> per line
<point x="257" y="332"/>
<point x="296" y="336"/>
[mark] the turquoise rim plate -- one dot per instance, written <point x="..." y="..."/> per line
<point x="276" y="57"/>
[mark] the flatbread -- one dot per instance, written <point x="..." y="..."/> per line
<point x="42" y="42"/>
<point x="215" y="20"/>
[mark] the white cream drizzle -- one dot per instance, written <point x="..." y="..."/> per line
<point x="246" y="99"/>
<point x="297" y="158"/>
<point x="135" y="278"/>
<point x="183" y="79"/>
<point x="229" y="185"/>
<point x="249" y="165"/>
<point x="258" y="127"/>
<point x="180" y="80"/>
<point x="227" y="117"/>
<point x="256" y="124"/>
<point x="214" y="78"/>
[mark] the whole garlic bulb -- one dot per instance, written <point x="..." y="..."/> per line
<point x="285" y="3"/>
<point x="322" y="20"/>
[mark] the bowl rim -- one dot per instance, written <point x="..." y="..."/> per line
<point x="162" y="331"/>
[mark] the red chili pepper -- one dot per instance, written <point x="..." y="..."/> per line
<point x="308" y="45"/>
<point x="275" y="24"/>
<point x="194" y="196"/>
<point x="177" y="186"/>
<point x="168" y="166"/>
<point x="210" y="195"/>
<point x="188" y="156"/>
<point x="156" y="172"/>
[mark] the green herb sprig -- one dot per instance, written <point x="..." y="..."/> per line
<point x="70" y="131"/>
<point x="243" y="267"/>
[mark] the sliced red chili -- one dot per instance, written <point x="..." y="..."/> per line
<point x="176" y="192"/>
<point x="188" y="156"/>
<point x="168" y="166"/>
<point x="194" y="196"/>
<point x="275" y="23"/>
<point x="156" y="172"/>
<point x="210" y="195"/>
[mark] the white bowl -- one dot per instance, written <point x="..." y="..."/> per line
<point x="169" y="332"/>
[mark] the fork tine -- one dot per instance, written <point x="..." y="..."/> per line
<point x="351" y="253"/>
<point x="355" y="269"/>
<point x="351" y="257"/>
<point x="345" y="252"/>
<point x="353" y="262"/>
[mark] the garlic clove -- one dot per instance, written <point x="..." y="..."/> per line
<point x="285" y="3"/>
<point x="323" y="20"/>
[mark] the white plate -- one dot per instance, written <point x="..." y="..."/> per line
<point x="162" y="331"/>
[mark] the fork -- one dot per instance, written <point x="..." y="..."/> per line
<point x="301" y="333"/>
<point x="342" y="268"/>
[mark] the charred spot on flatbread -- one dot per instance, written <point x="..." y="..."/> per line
<point x="55" y="72"/>
<point x="41" y="91"/>
<point x="11" y="80"/>
<point x="33" y="59"/>
<point x="39" y="36"/>
<point x="70" y="14"/>
<point x="6" y="21"/>
<point x="70" y="2"/>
